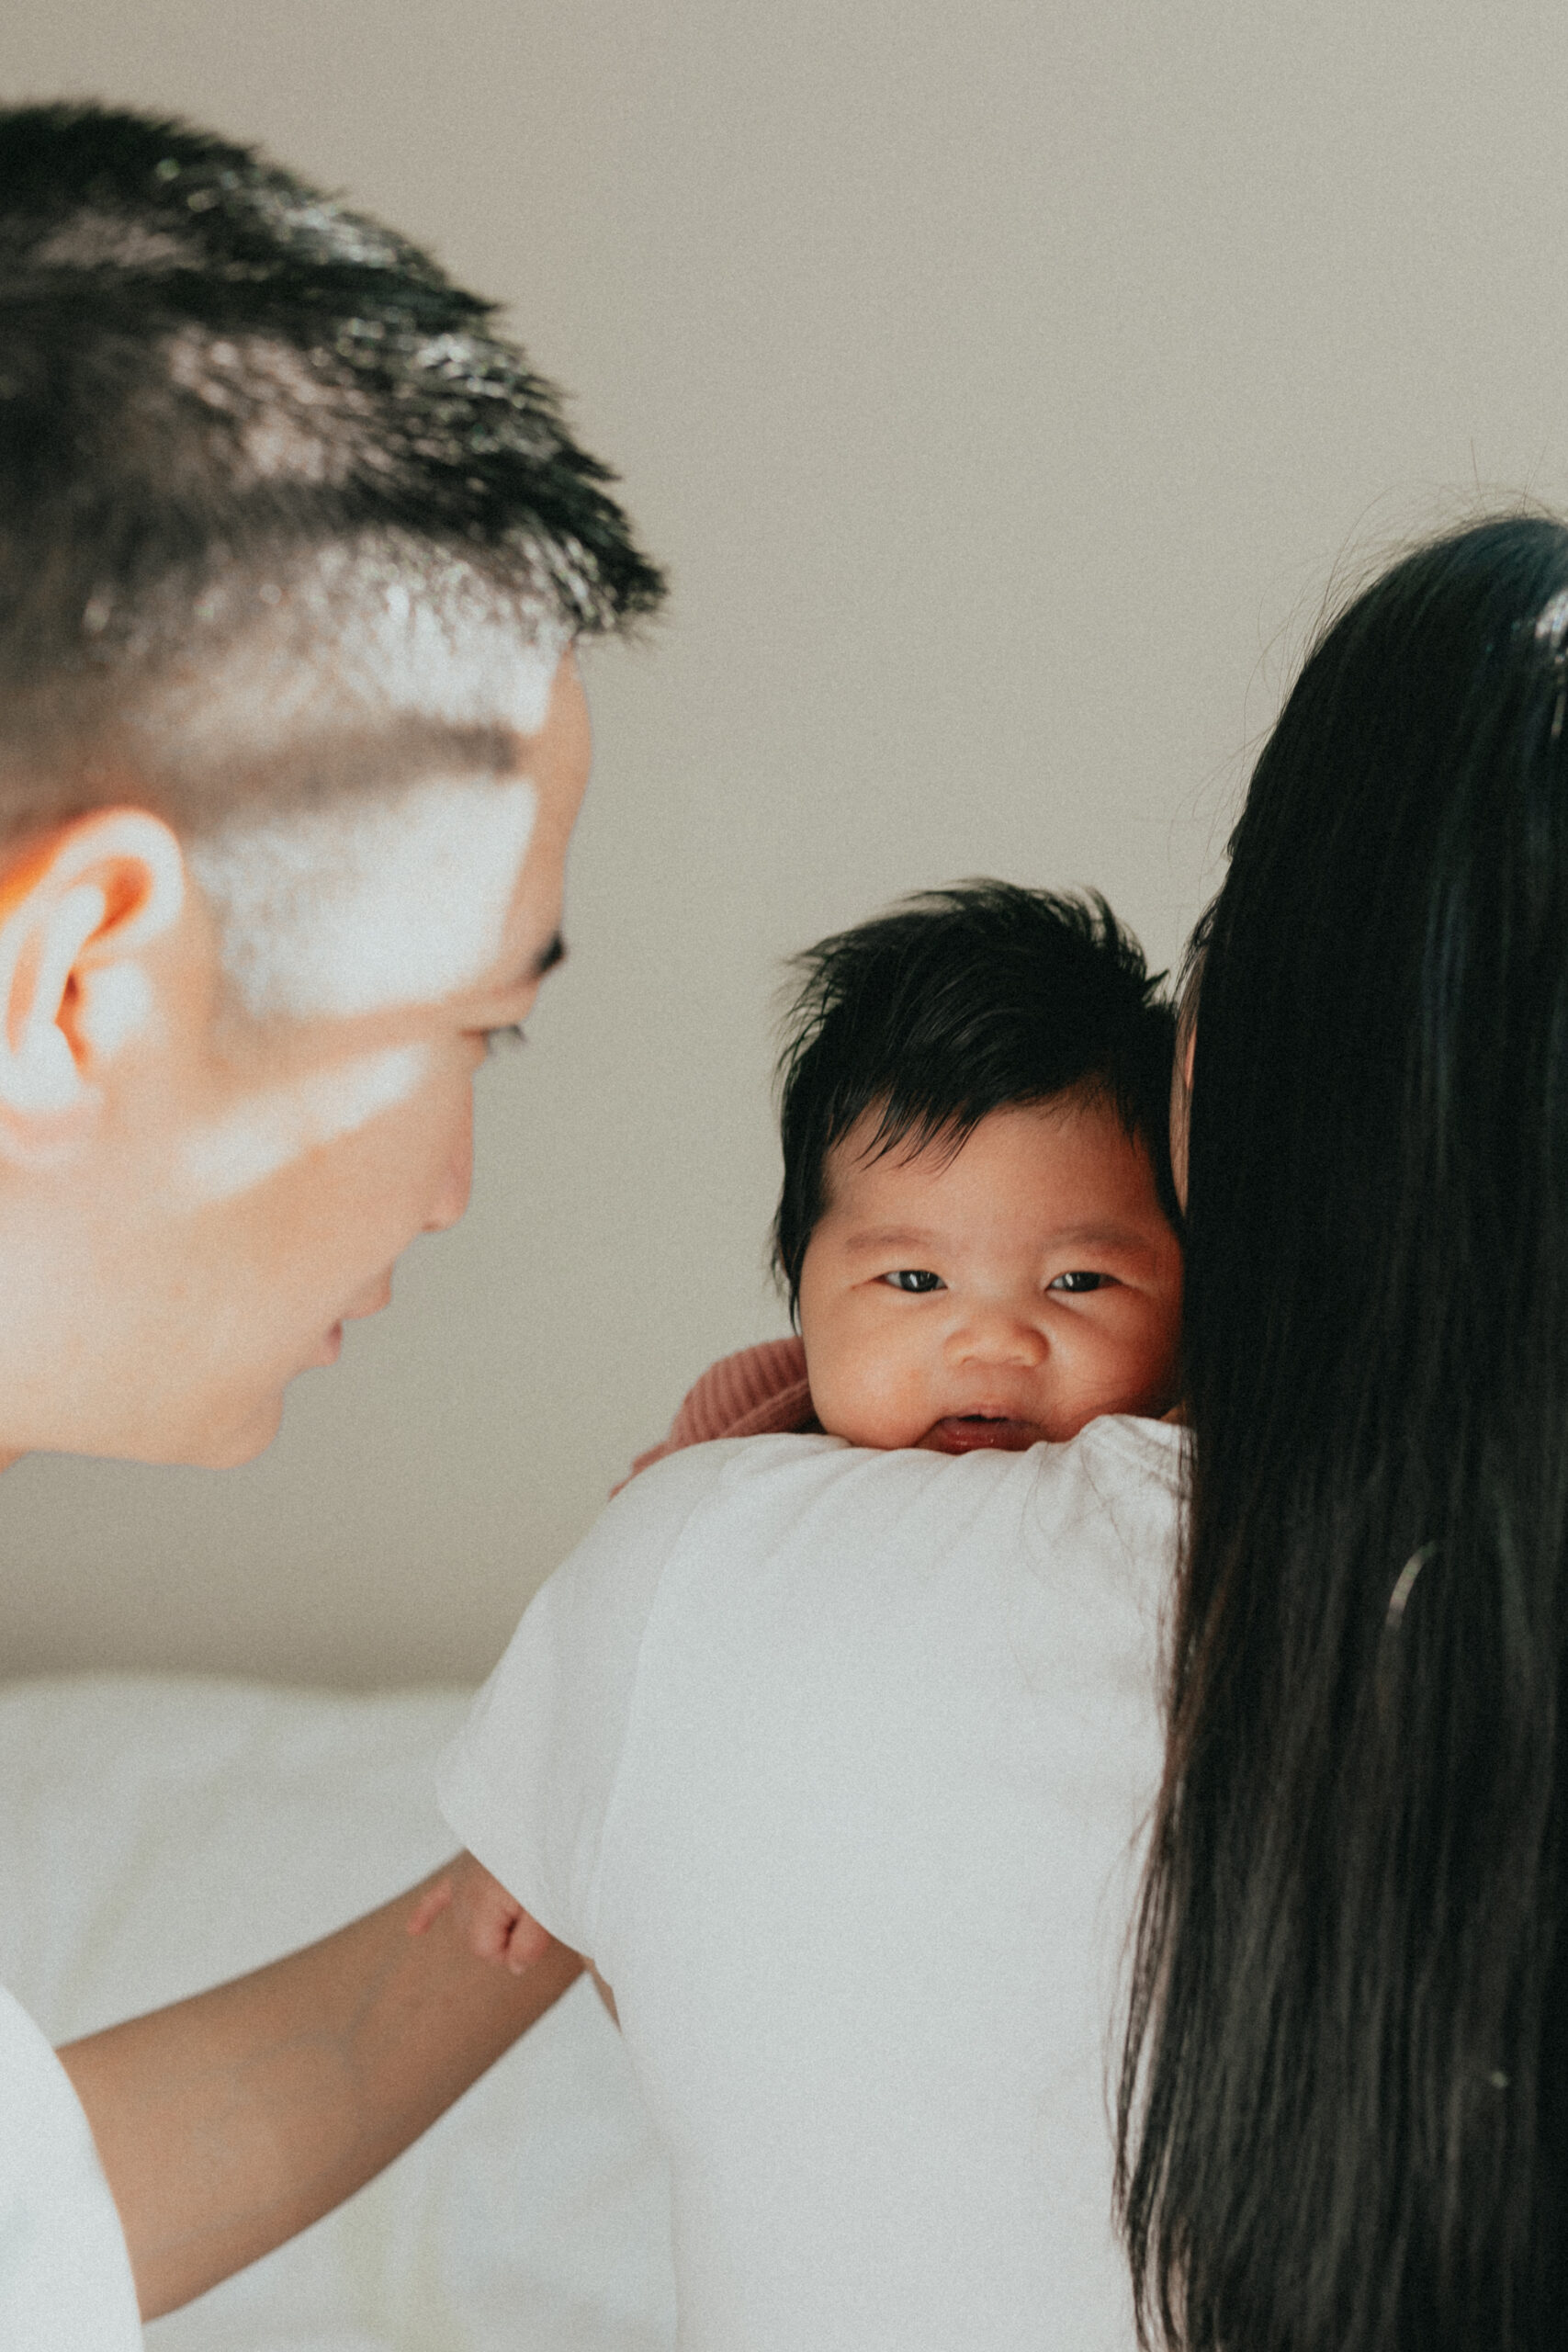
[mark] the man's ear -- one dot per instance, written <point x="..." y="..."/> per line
<point x="77" y="912"/>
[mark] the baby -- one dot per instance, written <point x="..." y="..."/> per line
<point x="977" y="1229"/>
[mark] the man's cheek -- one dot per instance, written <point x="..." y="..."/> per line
<point x="278" y="1127"/>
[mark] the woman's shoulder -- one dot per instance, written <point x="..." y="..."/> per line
<point x="1124" y="1468"/>
<point x="1152" y="1455"/>
<point x="1145" y="1450"/>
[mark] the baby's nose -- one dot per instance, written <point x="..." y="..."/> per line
<point x="996" y="1336"/>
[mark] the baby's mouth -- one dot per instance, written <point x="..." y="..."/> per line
<point x="977" y="1432"/>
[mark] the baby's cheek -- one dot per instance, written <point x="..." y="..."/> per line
<point x="1160" y="1346"/>
<point x="866" y="1388"/>
<point x="1160" y="1378"/>
<point x="1133" y="1370"/>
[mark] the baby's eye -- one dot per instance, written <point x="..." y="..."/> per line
<point x="1079" y="1282"/>
<point x="914" y="1278"/>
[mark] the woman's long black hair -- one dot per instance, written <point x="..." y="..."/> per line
<point x="1344" y="2112"/>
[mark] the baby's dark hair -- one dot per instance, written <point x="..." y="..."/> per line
<point x="956" y="1003"/>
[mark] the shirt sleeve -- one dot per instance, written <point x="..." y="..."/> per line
<point x="65" y="2283"/>
<point x="527" y="1782"/>
<point x="757" y="1391"/>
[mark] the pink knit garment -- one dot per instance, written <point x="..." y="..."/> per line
<point x="757" y="1392"/>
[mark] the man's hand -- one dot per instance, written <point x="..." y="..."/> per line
<point x="231" y="2121"/>
<point x="492" y="1923"/>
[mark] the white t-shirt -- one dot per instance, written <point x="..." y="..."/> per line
<point x="65" y="2283"/>
<point x="836" y="1764"/>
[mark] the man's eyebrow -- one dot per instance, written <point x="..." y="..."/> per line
<point x="552" y="953"/>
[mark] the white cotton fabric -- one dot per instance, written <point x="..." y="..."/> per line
<point x="160" y="1833"/>
<point x="65" y="2283"/>
<point x="838" y="1764"/>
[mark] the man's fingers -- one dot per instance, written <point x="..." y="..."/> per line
<point x="490" y="1928"/>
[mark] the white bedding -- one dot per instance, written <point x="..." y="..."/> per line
<point x="157" y="1834"/>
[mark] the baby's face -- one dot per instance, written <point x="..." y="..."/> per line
<point x="1008" y="1294"/>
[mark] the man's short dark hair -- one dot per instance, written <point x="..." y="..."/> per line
<point x="956" y="1003"/>
<point x="210" y="373"/>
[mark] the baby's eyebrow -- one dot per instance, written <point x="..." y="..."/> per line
<point x="879" y="1240"/>
<point x="1099" y="1236"/>
<point x="892" y="1236"/>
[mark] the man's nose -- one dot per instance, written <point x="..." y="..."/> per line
<point x="998" y="1335"/>
<point x="458" y="1177"/>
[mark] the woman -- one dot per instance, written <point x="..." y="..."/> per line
<point x="1342" y="2111"/>
<point x="847" y="1833"/>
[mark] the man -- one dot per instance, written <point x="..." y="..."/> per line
<point x="292" y="554"/>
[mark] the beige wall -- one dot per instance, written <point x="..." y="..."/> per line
<point x="1002" y="385"/>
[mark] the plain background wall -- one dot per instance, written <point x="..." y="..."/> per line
<point x="1002" y="386"/>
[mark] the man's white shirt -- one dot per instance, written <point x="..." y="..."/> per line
<point x="65" y="2283"/>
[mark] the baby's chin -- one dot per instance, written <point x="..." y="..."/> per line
<point x="981" y="1433"/>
